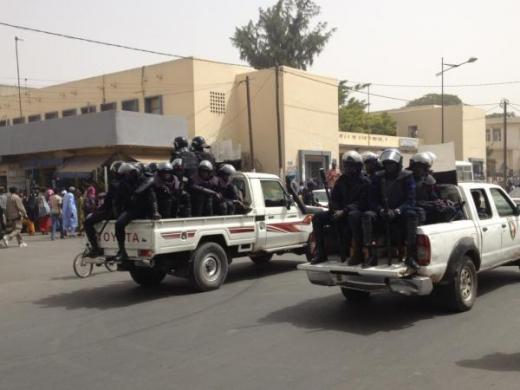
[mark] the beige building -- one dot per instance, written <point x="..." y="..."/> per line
<point x="299" y="136"/>
<point x="463" y="125"/>
<point x="495" y="146"/>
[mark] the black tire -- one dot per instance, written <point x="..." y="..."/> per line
<point x="310" y="250"/>
<point x="209" y="266"/>
<point x="147" y="277"/>
<point x="261" y="259"/>
<point x="355" y="295"/>
<point x="461" y="291"/>
<point x="82" y="269"/>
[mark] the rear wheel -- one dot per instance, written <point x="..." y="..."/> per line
<point x="82" y="269"/>
<point x="461" y="291"/>
<point x="209" y="266"/>
<point x="355" y="295"/>
<point x="147" y="277"/>
<point x="262" y="259"/>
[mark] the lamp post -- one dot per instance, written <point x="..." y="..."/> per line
<point x="444" y="68"/>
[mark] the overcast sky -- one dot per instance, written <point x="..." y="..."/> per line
<point x="377" y="41"/>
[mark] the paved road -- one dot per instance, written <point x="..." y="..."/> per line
<point x="267" y="328"/>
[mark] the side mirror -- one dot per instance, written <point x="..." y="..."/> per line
<point x="517" y="210"/>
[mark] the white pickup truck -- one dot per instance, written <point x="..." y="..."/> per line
<point x="450" y="254"/>
<point x="201" y="248"/>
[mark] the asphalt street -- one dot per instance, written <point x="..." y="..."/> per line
<point x="266" y="328"/>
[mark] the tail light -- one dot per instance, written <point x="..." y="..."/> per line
<point x="423" y="250"/>
<point x="145" y="253"/>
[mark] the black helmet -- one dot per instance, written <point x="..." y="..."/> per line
<point x="114" y="167"/>
<point x="126" y="168"/>
<point x="227" y="170"/>
<point x="199" y="143"/>
<point x="369" y="156"/>
<point x="391" y="155"/>
<point x="205" y="165"/>
<point x="424" y="158"/>
<point x="164" y="167"/>
<point x="178" y="164"/>
<point x="180" y="142"/>
<point x="352" y="157"/>
<point x="152" y="167"/>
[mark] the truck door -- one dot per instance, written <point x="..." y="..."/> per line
<point x="489" y="226"/>
<point x="281" y="222"/>
<point x="509" y="219"/>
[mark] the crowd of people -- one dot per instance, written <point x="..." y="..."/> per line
<point x="377" y="195"/>
<point x="44" y="210"/>
<point x="188" y="185"/>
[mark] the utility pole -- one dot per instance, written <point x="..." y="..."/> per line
<point x="250" y="125"/>
<point x="278" y="125"/>
<point x="16" y="39"/>
<point x="504" y="104"/>
<point x="442" y="100"/>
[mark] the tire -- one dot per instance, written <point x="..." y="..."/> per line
<point x="147" y="277"/>
<point x="261" y="259"/>
<point x="82" y="269"/>
<point x="111" y="266"/>
<point x="355" y="296"/>
<point x="209" y="266"/>
<point x="310" y="250"/>
<point x="461" y="291"/>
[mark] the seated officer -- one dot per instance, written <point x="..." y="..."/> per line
<point x="392" y="204"/>
<point x="348" y="201"/>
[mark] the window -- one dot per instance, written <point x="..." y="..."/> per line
<point x="274" y="195"/>
<point x="4" y="122"/>
<point x="70" y="112"/>
<point x="108" y="106"/>
<point x="153" y="105"/>
<point x="35" y="118"/>
<point x="19" y="120"/>
<point x="504" y="206"/>
<point x="488" y="135"/>
<point x="51" y="115"/>
<point x="217" y="102"/>
<point x="481" y="203"/>
<point x="413" y="131"/>
<point x="88" y="109"/>
<point x="241" y="184"/>
<point x="130" y="105"/>
<point x="497" y="135"/>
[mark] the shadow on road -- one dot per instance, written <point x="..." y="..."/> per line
<point x="127" y="293"/>
<point x="494" y="362"/>
<point x="490" y="281"/>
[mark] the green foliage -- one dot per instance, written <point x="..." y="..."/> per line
<point x="283" y="36"/>
<point x="344" y="91"/>
<point x="435" y="98"/>
<point x="354" y="118"/>
<point x="510" y="114"/>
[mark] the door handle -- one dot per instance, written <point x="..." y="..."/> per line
<point x="504" y="225"/>
<point x="484" y="229"/>
<point x="270" y="217"/>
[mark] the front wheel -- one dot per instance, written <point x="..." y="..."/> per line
<point x="355" y="296"/>
<point x="82" y="269"/>
<point x="209" y="264"/>
<point x="461" y="291"/>
<point x="147" y="277"/>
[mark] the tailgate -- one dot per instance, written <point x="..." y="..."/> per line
<point x="139" y="236"/>
<point x="336" y="267"/>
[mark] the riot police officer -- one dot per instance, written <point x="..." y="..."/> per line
<point x="199" y="146"/>
<point x="371" y="163"/>
<point x="164" y="184"/>
<point x="106" y="212"/>
<point x="392" y="204"/>
<point x="181" y="207"/>
<point x="182" y="151"/>
<point x="229" y="194"/>
<point x="138" y="202"/>
<point x="348" y="201"/>
<point x="204" y="190"/>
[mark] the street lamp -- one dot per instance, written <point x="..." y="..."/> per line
<point x="444" y="68"/>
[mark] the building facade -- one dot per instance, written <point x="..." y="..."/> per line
<point x="273" y="120"/>
<point x="495" y="146"/>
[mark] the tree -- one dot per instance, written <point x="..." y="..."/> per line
<point x="283" y="36"/>
<point x="510" y="114"/>
<point x="353" y="118"/>
<point x="344" y="91"/>
<point x="435" y="98"/>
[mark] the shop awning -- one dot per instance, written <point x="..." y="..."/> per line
<point x="81" y="166"/>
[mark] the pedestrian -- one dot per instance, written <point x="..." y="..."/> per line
<point x="333" y="174"/>
<point x="15" y="213"/>
<point x="29" y="202"/>
<point x="69" y="213"/>
<point x="3" y="198"/>
<point x="80" y="202"/>
<point x="55" y="203"/>
<point x="90" y="202"/>
<point x="44" y="212"/>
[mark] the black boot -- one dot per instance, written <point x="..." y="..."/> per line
<point x="120" y="256"/>
<point x="410" y="262"/>
<point x="94" y="251"/>
<point x="371" y="260"/>
<point x="357" y="258"/>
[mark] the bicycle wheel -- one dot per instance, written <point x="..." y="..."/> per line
<point x="111" y="266"/>
<point x="82" y="269"/>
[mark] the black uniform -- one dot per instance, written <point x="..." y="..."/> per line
<point x="228" y="199"/>
<point x="349" y="200"/>
<point x="204" y="155"/>
<point x="164" y="192"/>
<point x="392" y="201"/>
<point x="203" y="193"/>
<point x="189" y="159"/>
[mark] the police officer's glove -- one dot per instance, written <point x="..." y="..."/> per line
<point x="387" y="214"/>
<point x="218" y="196"/>
<point x="156" y="216"/>
<point x="338" y="214"/>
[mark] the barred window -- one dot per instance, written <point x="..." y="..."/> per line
<point x="217" y="102"/>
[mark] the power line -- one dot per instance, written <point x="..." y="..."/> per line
<point x="483" y="84"/>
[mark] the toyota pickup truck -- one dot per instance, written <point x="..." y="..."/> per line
<point x="202" y="248"/>
<point x="450" y="254"/>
